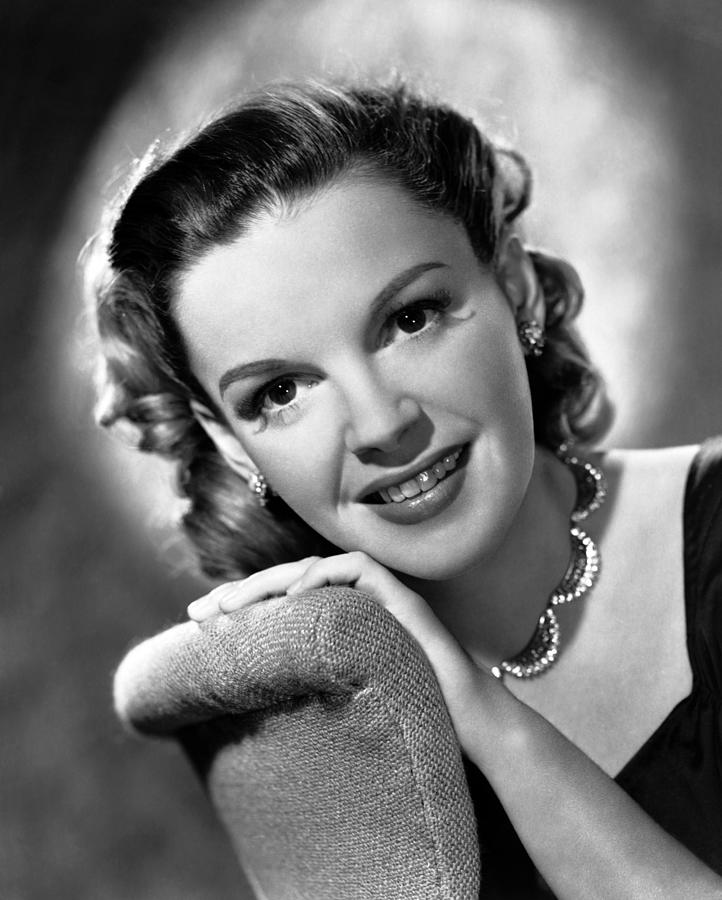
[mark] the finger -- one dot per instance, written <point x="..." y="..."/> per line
<point x="364" y="574"/>
<point x="326" y="570"/>
<point x="323" y="573"/>
<point x="234" y="595"/>
<point x="205" y="607"/>
<point x="260" y="586"/>
<point x="346" y="568"/>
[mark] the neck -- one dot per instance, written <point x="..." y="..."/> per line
<point x="492" y="609"/>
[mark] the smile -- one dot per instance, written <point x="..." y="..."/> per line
<point x="419" y="483"/>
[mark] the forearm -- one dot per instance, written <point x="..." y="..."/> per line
<point x="586" y="836"/>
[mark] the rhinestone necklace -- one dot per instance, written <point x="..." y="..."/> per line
<point x="582" y="572"/>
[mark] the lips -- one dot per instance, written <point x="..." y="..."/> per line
<point x="418" y="483"/>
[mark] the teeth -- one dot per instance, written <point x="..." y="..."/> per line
<point x="422" y="482"/>
<point x="427" y="480"/>
<point x="410" y="488"/>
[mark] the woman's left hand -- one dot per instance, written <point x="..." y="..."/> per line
<point x="454" y="670"/>
<point x="357" y="569"/>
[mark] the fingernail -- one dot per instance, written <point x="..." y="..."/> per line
<point x="202" y="607"/>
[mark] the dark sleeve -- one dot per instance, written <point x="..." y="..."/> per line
<point x="703" y="567"/>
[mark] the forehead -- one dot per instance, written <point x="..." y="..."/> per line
<point x="286" y="279"/>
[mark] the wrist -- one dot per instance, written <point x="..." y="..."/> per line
<point x="490" y="722"/>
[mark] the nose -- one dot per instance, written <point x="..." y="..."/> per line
<point x="379" y="417"/>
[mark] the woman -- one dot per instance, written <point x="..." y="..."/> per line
<point x="323" y="296"/>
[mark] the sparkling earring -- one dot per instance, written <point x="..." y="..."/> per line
<point x="531" y="337"/>
<point x="259" y="486"/>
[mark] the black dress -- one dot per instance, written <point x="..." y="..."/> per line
<point x="676" y="776"/>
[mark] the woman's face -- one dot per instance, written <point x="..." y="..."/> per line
<point x="369" y="366"/>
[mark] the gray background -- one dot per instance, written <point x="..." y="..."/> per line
<point x="86" y="812"/>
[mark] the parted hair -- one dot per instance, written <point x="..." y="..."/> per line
<point x="261" y="155"/>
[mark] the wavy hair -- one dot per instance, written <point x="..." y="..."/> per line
<point x="260" y="156"/>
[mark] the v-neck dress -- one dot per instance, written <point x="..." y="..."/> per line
<point x="676" y="776"/>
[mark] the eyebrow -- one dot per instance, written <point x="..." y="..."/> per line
<point x="387" y="293"/>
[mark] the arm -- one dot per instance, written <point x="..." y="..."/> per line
<point x="585" y="834"/>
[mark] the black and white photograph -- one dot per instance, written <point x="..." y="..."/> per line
<point x="361" y="465"/>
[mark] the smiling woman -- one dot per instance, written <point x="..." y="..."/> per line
<point x="282" y="158"/>
<point x="324" y="296"/>
<point x="405" y="354"/>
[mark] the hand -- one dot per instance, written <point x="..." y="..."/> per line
<point x="454" y="670"/>
<point x="354" y="569"/>
<point x="234" y="595"/>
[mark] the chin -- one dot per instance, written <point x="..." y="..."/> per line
<point x="431" y="558"/>
<point x="449" y="552"/>
<point x="431" y="572"/>
<point x="431" y="568"/>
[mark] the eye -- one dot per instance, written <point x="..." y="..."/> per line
<point x="412" y="319"/>
<point x="281" y="392"/>
<point x="418" y="317"/>
<point x="279" y="401"/>
<point x="275" y="400"/>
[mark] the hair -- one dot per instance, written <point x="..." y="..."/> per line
<point x="271" y="150"/>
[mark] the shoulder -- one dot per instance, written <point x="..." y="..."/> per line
<point x="648" y="486"/>
<point x="654" y="464"/>
<point x="687" y="478"/>
<point x="642" y="536"/>
<point x="665" y="514"/>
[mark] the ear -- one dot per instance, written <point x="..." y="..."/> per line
<point x="517" y="277"/>
<point x="225" y="441"/>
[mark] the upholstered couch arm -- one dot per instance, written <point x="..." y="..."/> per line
<point x="325" y="744"/>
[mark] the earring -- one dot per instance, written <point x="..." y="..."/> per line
<point x="531" y="337"/>
<point x="258" y="485"/>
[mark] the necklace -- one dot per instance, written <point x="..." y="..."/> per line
<point x="582" y="572"/>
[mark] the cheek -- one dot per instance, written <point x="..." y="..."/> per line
<point x="485" y="376"/>
<point x="302" y="463"/>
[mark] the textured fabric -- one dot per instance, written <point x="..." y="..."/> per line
<point x="676" y="776"/>
<point x="326" y="746"/>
